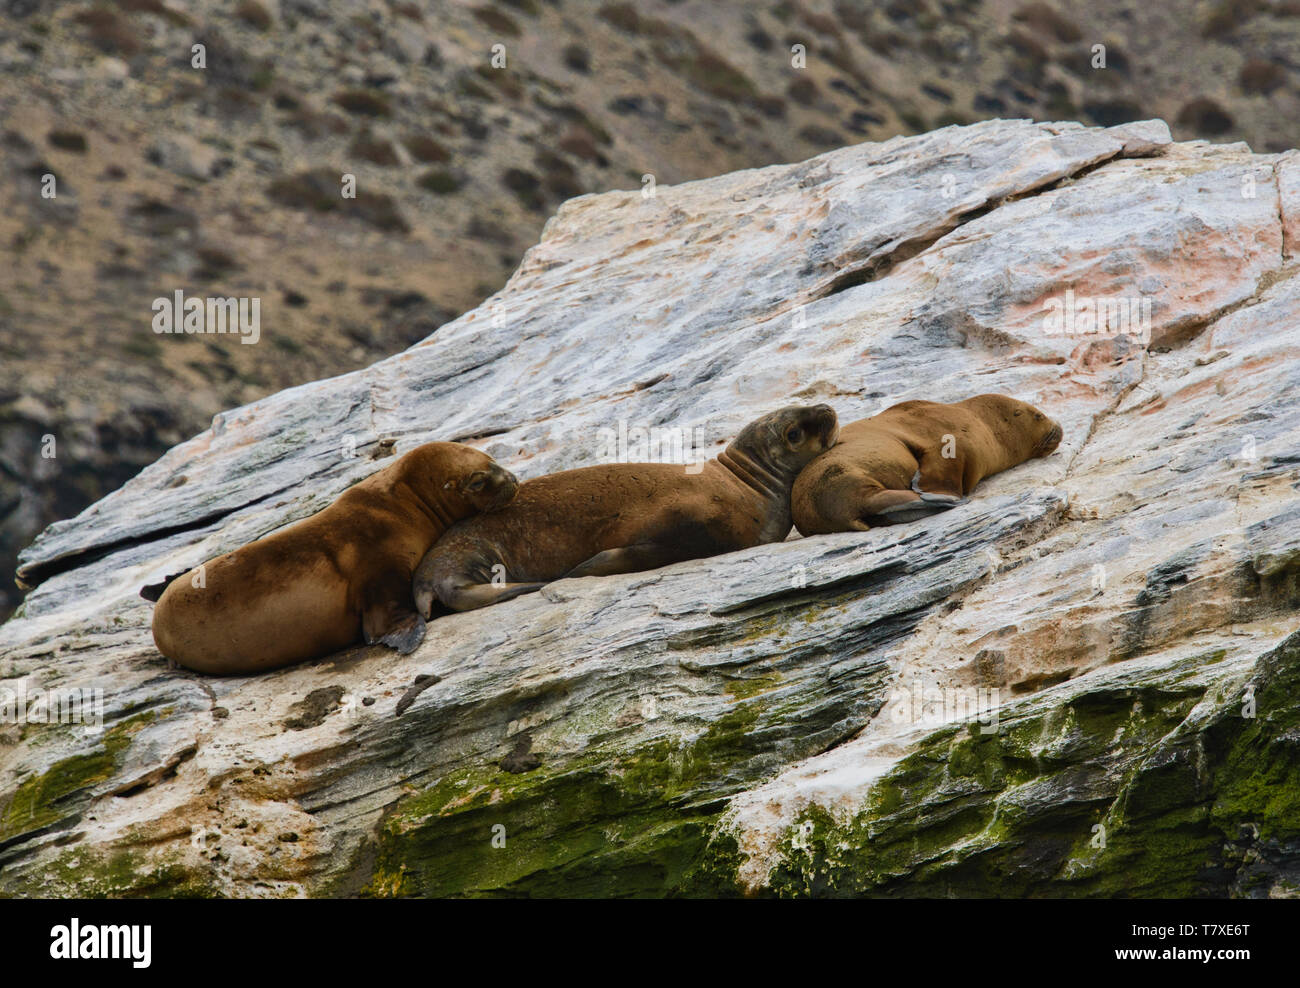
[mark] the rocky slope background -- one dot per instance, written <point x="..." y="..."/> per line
<point x="224" y="180"/>
<point x="1082" y="682"/>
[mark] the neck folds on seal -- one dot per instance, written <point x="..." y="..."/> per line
<point x="769" y="482"/>
<point x="756" y="472"/>
<point x="436" y="507"/>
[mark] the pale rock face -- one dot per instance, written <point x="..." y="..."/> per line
<point x="691" y="729"/>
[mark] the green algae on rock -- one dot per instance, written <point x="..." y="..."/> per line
<point x="1159" y="789"/>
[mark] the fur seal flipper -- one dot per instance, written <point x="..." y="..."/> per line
<point x="152" y="591"/>
<point x="943" y="501"/>
<point x="628" y="517"/>
<point x="902" y="511"/>
<point x="625" y="559"/>
<point x="337" y="578"/>
<point x="406" y="634"/>
<point x="914" y="459"/>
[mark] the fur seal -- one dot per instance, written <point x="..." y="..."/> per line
<point x="916" y="458"/>
<point x="628" y="517"/>
<point x="337" y="578"/>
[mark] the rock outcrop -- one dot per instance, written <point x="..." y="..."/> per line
<point x="1084" y="681"/>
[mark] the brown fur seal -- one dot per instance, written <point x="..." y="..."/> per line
<point x="892" y="467"/>
<point x="627" y="517"/>
<point x="332" y="580"/>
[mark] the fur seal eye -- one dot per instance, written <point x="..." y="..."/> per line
<point x="476" y="482"/>
<point x="794" y="436"/>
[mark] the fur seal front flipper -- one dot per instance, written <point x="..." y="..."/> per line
<point x="940" y="500"/>
<point x="628" y="517"/>
<point x="405" y="635"/>
<point x="387" y="617"/>
<point x="896" y="511"/>
<point x="464" y="593"/>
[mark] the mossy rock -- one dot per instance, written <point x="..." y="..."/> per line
<point x="42" y="800"/>
<point x="1119" y="792"/>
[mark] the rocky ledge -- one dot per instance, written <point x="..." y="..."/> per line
<point x="1085" y="681"/>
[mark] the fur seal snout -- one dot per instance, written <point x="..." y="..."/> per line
<point x="337" y="578"/>
<point x="916" y="458"/>
<point x="627" y="517"/>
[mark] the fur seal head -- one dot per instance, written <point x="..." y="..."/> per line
<point x="468" y="479"/>
<point x="1025" y="431"/>
<point x="783" y="442"/>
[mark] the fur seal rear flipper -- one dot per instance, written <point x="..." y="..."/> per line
<point x="152" y="591"/>
<point x="628" y="517"/>
<point x="625" y="559"/>
<point x="915" y="459"/>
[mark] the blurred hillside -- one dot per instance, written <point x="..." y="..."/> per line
<point x="225" y="180"/>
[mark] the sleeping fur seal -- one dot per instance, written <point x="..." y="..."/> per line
<point x="892" y="467"/>
<point x="334" y="579"/>
<point x="627" y="517"/>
